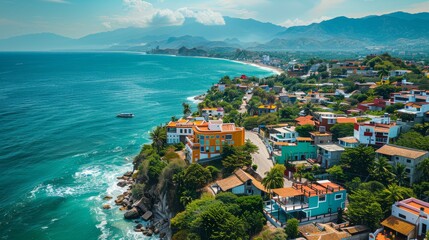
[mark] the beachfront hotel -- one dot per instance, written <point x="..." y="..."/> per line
<point x="206" y="140"/>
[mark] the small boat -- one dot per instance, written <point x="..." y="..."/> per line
<point x="125" y="115"/>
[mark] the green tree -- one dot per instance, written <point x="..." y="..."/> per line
<point x="159" y="138"/>
<point x="309" y="108"/>
<point x="238" y="159"/>
<point x="340" y="130"/>
<point x="413" y="140"/>
<point x="364" y="209"/>
<point x="276" y="234"/>
<point x="385" y="90"/>
<point x="291" y="228"/>
<point x="356" y="161"/>
<point x="381" y="171"/>
<point x="274" y="178"/>
<point x="400" y="174"/>
<point x="304" y="130"/>
<point x="423" y="167"/>
<point x="336" y="172"/>
<point x="186" y="109"/>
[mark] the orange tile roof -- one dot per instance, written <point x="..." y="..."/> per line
<point x="228" y="127"/>
<point x="305" y="120"/>
<point x="349" y="140"/>
<point x="229" y="183"/>
<point x="346" y="120"/>
<point x="398" y="225"/>
<point x="320" y="134"/>
<point x="287" y="192"/>
<point x="303" y="139"/>
<point x="393" y="150"/>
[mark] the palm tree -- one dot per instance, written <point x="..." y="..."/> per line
<point x="239" y="119"/>
<point x="186" y="109"/>
<point x="159" y="138"/>
<point x="273" y="179"/>
<point x="401" y="175"/>
<point x="381" y="171"/>
<point x="393" y="193"/>
<point x="423" y="167"/>
<point x="309" y="108"/>
<point x="174" y="119"/>
<point x="252" y="107"/>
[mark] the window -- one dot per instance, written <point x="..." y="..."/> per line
<point x="211" y="137"/>
<point x="207" y="142"/>
<point x="407" y="170"/>
<point x="202" y="149"/>
<point x="207" y="137"/>
<point x="217" y="136"/>
<point x="181" y="131"/>
<point x="201" y="137"/>
<point x="408" y="160"/>
<point x="322" y="198"/>
<point x="338" y="196"/>
<point x="217" y="142"/>
<point x="217" y="148"/>
<point x="367" y="130"/>
<point x="402" y="216"/>
<point x="229" y="137"/>
<point x="212" y="149"/>
<point x="207" y="149"/>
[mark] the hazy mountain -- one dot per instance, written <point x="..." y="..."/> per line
<point x="397" y="30"/>
<point x="383" y="30"/>
<point x="39" y="41"/>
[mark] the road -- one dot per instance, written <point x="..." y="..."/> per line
<point x="262" y="157"/>
<point x="244" y="103"/>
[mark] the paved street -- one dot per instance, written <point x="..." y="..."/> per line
<point x="244" y="103"/>
<point x="261" y="158"/>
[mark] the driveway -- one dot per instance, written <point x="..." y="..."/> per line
<point x="244" y="103"/>
<point x="262" y="157"/>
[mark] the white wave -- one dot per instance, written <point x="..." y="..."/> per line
<point x="88" y="172"/>
<point x="193" y="100"/>
<point x="35" y="190"/>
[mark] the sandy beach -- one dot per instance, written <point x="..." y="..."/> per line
<point x="274" y="70"/>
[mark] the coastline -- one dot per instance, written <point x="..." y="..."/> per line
<point x="275" y="70"/>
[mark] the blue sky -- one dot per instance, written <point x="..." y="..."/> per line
<point x="76" y="18"/>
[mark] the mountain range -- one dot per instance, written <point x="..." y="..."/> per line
<point x="399" y="30"/>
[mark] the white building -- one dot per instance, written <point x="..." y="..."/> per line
<point x="284" y="134"/>
<point x="398" y="73"/>
<point x="329" y="154"/>
<point x="378" y="131"/>
<point x="409" y="157"/>
<point x="208" y="113"/>
<point x="418" y="109"/>
<point x="177" y="131"/>
<point x="409" y="220"/>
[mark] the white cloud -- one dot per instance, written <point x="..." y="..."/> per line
<point x="300" y="22"/>
<point x="143" y="14"/>
<point x="206" y="17"/>
<point x="57" y="1"/>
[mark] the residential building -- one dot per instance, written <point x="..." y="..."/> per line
<point x="178" y="130"/>
<point x="365" y="85"/>
<point x="416" y="109"/>
<point x="378" y="131"/>
<point x="305" y="202"/>
<point x="208" y="113"/>
<point x="325" y="120"/>
<point x="413" y="95"/>
<point x="409" y="220"/>
<point x="284" y="134"/>
<point x="207" y="139"/>
<point x="398" y="73"/>
<point x="301" y="150"/>
<point x="329" y="155"/>
<point x="263" y="109"/>
<point x="409" y="157"/>
<point x="305" y="120"/>
<point x="377" y="105"/>
<point x="321" y="137"/>
<point x="348" y="142"/>
<point x="240" y="182"/>
<point x="284" y="97"/>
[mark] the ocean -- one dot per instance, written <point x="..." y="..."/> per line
<point x="62" y="146"/>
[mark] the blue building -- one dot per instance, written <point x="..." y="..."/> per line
<point x="305" y="202"/>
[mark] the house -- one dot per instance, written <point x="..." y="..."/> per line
<point x="348" y="142"/>
<point x="284" y="97"/>
<point x="240" y="182"/>
<point x="365" y="85"/>
<point x="208" y="113"/>
<point x="220" y="87"/>
<point x="321" y="137"/>
<point x="207" y="139"/>
<point x="409" y="220"/>
<point x="284" y="134"/>
<point x="377" y="105"/>
<point x="278" y="89"/>
<point x="413" y="95"/>
<point x="325" y="120"/>
<point x="378" y="131"/>
<point x="266" y="88"/>
<point x="178" y="130"/>
<point x="416" y="109"/>
<point x="398" y="73"/>
<point x="329" y="154"/>
<point x="301" y="150"/>
<point x="263" y="109"/>
<point x="305" y="120"/>
<point x="305" y="202"/>
<point x="409" y="157"/>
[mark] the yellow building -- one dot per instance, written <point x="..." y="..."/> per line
<point x="266" y="109"/>
<point x="207" y="139"/>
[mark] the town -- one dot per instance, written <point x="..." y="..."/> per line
<point x="326" y="150"/>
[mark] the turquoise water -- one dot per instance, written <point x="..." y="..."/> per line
<point x="62" y="146"/>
